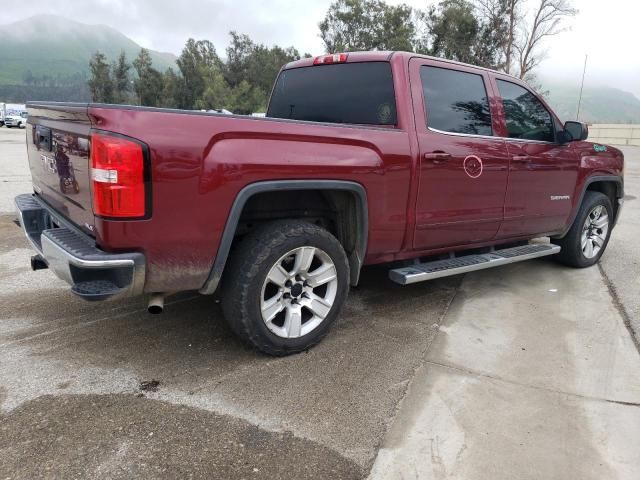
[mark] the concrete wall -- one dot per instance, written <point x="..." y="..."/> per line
<point x="615" y="134"/>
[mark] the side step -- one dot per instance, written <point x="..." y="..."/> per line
<point x="469" y="263"/>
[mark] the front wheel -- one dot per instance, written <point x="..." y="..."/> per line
<point x="284" y="286"/>
<point x="589" y="235"/>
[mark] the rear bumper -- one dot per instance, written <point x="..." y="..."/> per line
<point x="73" y="256"/>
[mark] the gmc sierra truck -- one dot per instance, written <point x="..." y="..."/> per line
<point x="431" y="166"/>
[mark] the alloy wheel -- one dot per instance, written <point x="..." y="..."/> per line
<point x="594" y="231"/>
<point x="298" y="292"/>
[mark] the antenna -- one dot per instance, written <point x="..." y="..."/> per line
<point x="582" y="87"/>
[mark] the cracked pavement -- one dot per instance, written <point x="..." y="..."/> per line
<point x="490" y="375"/>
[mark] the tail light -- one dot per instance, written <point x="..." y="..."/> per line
<point x="117" y="175"/>
<point x="330" y="59"/>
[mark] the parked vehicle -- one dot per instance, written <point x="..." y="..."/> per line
<point x="18" y="120"/>
<point x="431" y="166"/>
<point x="12" y="110"/>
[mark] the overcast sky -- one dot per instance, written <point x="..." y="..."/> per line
<point x="605" y="30"/>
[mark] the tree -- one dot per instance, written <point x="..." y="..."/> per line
<point x="121" y="80"/>
<point x="239" y="53"/>
<point x="453" y="31"/>
<point x="217" y="93"/>
<point x="513" y="18"/>
<point x="197" y="60"/>
<point x="256" y="64"/>
<point x="100" y="82"/>
<point x="148" y="85"/>
<point x="495" y="37"/>
<point x="246" y="99"/>
<point x="546" y="22"/>
<point x="172" y="88"/>
<point x="351" y="25"/>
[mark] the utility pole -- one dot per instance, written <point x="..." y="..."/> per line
<point x="584" y="71"/>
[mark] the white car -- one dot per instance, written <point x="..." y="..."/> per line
<point x="16" y="120"/>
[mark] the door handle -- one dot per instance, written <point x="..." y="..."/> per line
<point x="521" y="158"/>
<point x="437" y="157"/>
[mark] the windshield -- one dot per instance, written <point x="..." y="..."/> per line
<point x="356" y="93"/>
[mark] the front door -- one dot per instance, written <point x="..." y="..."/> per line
<point x="543" y="173"/>
<point x="463" y="166"/>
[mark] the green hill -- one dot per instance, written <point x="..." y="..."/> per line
<point x="46" y="52"/>
<point x="599" y="104"/>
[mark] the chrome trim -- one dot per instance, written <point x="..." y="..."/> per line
<point x="493" y="137"/>
<point x="456" y="134"/>
<point x="526" y="140"/>
<point x="60" y="259"/>
<point x="409" y="275"/>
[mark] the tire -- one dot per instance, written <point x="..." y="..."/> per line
<point x="595" y="232"/>
<point x="250" y="298"/>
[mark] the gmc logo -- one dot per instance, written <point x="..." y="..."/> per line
<point x="49" y="163"/>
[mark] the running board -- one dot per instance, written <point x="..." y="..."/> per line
<point x="469" y="263"/>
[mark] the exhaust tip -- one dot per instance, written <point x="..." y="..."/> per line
<point x="155" y="309"/>
<point x="156" y="304"/>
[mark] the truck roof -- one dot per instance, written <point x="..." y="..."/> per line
<point x="385" y="56"/>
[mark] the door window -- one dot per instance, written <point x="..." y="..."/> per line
<point x="526" y="116"/>
<point x="456" y="101"/>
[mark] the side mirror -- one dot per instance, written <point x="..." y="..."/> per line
<point x="576" y="130"/>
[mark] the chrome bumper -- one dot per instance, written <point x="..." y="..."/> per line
<point x="73" y="256"/>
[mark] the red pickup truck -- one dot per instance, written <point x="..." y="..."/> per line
<point x="432" y="166"/>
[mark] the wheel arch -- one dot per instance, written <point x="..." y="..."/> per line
<point x="360" y="215"/>
<point x="610" y="185"/>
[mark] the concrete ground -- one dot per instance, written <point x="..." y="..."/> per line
<point x="523" y="372"/>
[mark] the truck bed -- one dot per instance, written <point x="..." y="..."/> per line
<point x="199" y="162"/>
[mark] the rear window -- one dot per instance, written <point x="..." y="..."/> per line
<point x="357" y="93"/>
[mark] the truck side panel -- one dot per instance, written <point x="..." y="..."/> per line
<point x="201" y="162"/>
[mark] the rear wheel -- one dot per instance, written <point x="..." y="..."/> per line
<point x="589" y="235"/>
<point x="284" y="286"/>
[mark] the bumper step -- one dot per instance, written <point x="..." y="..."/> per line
<point x="421" y="272"/>
<point x="73" y="256"/>
<point x="95" y="290"/>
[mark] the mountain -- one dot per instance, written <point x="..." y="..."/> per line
<point x="51" y="50"/>
<point x="600" y="104"/>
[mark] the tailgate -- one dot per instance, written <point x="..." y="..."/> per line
<point x="58" y="150"/>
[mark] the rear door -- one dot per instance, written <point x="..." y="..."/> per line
<point x="463" y="164"/>
<point x="58" y="150"/>
<point x="543" y="173"/>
